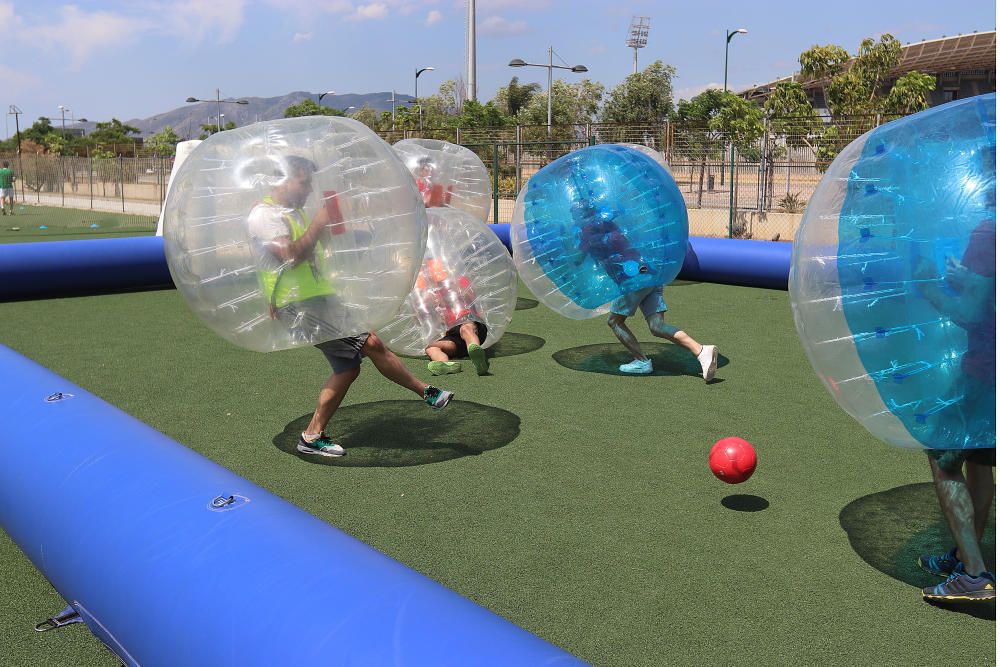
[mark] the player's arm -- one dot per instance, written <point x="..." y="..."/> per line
<point x="976" y="292"/>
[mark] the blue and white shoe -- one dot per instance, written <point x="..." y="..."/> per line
<point x="942" y="564"/>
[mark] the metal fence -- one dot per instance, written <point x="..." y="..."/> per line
<point x="732" y="187"/>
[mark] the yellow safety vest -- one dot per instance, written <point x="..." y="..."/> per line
<point x="293" y="283"/>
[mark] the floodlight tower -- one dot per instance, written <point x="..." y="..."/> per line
<point x="470" y="50"/>
<point x="638" y="35"/>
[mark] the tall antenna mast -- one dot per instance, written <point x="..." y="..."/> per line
<point x="470" y="33"/>
<point x="638" y="35"/>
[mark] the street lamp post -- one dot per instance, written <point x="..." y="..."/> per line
<point x="218" y="103"/>
<point x="416" y="97"/>
<point x="62" y="111"/>
<point x="729" y="38"/>
<point x="732" y="147"/>
<point x="322" y="95"/>
<point x="517" y="62"/>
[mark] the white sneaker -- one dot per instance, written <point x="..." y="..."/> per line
<point x="323" y="446"/>
<point x="637" y="367"/>
<point x="709" y="360"/>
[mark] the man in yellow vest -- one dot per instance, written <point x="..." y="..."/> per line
<point x="298" y="294"/>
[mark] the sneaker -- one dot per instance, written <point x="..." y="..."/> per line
<point x="437" y="398"/>
<point x="709" y="360"/>
<point x="322" y="446"/>
<point x="637" y="367"/>
<point x="963" y="587"/>
<point x="444" y="367"/>
<point x="942" y="565"/>
<point x="479" y="360"/>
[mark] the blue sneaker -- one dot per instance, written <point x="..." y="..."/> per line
<point x="963" y="587"/>
<point x="942" y="565"/>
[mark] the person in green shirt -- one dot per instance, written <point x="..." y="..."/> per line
<point x="299" y="295"/>
<point x="6" y="189"/>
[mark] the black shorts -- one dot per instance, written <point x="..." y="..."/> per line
<point x="453" y="336"/>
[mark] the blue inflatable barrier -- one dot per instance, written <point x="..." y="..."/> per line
<point x="66" y="268"/>
<point x="727" y="261"/>
<point x="172" y="560"/>
<point x="737" y="262"/>
<point x="62" y="268"/>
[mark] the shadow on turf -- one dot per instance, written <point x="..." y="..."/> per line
<point x="525" y="304"/>
<point x="668" y="359"/>
<point x="407" y="433"/>
<point x="742" y="502"/>
<point x="890" y="529"/>
<point x="512" y="344"/>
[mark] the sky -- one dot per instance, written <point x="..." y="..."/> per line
<point x="137" y="58"/>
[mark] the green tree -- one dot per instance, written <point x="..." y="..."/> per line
<point x="370" y="117"/>
<point x="114" y="132"/>
<point x="707" y="123"/>
<point x="475" y="114"/>
<point x="515" y="96"/>
<point x="164" y="142"/>
<point x="822" y="62"/>
<point x="856" y="87"/>
<point x="309" y="108"/>
<point x="909" y="93"/>
<point x="208" y="129"/>
<point x="39" y="131"/>
<point x="572" y="104"/>
<point x="643" y="97"/>
<point x="791" y="116"/>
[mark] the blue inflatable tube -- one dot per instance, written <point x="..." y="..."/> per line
<point x="737" y="262"/>
<point x="727" y="261"/>
<point x="173" y="560"/>
<point x="63" y="268"/>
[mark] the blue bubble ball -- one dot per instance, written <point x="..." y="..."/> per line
<point x="893" y="278"/>
<point x="596" y="224"/>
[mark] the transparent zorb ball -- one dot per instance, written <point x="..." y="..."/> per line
<point x="294" y="232"/>
<point x="448" y="175"/>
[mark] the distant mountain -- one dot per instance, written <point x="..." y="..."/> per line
<point x="188" y="119"/>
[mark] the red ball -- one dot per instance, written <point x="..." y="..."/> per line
<point x="732" y="460"/>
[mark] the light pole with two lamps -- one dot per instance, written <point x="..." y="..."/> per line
<point x="416" y="97"/>
<point x="218" y="102"/>
<point x="732" y="147"/>
<point x="517" y="62"/>
<point x="319" y="102"/>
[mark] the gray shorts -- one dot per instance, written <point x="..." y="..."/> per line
<point x="344" y="354"/>
<point x="649" y="299"/>
<point x="7" y="192"/>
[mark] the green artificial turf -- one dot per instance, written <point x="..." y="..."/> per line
<point x="51" y="223"/>
<point x="569" y="499"/>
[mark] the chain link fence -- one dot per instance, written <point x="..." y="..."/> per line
<point x="733" y="187"/>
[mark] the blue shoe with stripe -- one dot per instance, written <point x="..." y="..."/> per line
<point x="963" y="587"/>
<point x="942" y="564"/>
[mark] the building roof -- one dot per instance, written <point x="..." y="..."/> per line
<point x="976" y="50"/>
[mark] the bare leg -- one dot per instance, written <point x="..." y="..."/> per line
<point x="625" y="336"/>
<point x="982" y="488"/>
<point x="330" y="397"/>
<point x="468" y="333"/>
<point x="389" y="365"/>
<point x="436" y="352"/>
<point x="661" y="329"/>
<point x="956" y="504"/>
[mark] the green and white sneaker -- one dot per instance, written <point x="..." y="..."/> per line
<point x="321" y="446"/>
<point x="478" y="356"/>
<point x="437" y="398"/>
<point x="444" y="367"/>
